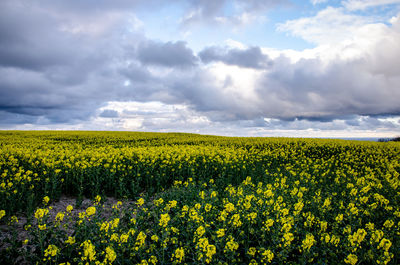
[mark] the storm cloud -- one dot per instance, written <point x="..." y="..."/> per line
<point x="250" y="58"/>
<point x="166" y="54"/>
<point x="63" y="62"/>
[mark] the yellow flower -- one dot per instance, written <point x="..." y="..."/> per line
<point x="356" y="238"/>
<point x="339" y="218"/>
<point x="89" y="252"/>
<point x="40" y="213"/>
<point x="175" y="230"/>
<point x="110" y="255"/>
<point x="178" y="255"/>
<point x="247" y="181"/>
<point x="154" y="238"/>
<point x="229" y="207"/>
<point x="268" y="193"/>
<point x="385" y="244"/>
<point x="268" y="255"/>
<point x="326" y="238"/>
<point x="268" y="224"/>
<point x="140" y="202"/>
<point x="388" y="223"/>
<point x="351" y="259"/>
<point x="222" y="216"/>
<point x="324" y="226"/>
<point x="141" y="238"/>
<point x="370" y="226"/>
<point x="90" y="211"/>
<point x="165" y="218"/>
<point x="124" y="238"/>
<point x="298" y="207"/>
<point x="60" y="216"/>
<point x="114" y="237"/>
<point x="46" y="200"/>
<point x="327" y="202"/>
<point x="158" y="202"/>
<point x="252" y="216"/>
<point x="253" y="262"/>
<point x="51" y="250"/>
<point x="335" y="240"/>
<point x="97" y="200"/>
<point x="376" y="236"/>
<point x="172" y="204"/>
<point x="42" y="227"/>
<point x="221" y="232"/>
<point x="69" y="208"/>
<point x="70" y="240"/>
<point x="231" y="245"/>
<point x="2" y="213"/>
<point x="235" y="220"/>
<point x="114" y="223"/>
<point x="211" y="250"/>
<point x="153" y="260"/>
<point x="308" y="242"/>
<point x="177" y="182"/>
<point x="208" y="207"/>
<point x="252" y="251"/>
<point x="200" y="231"/>
<point x="288" y="238"/>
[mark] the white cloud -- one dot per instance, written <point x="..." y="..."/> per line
<point x="235" y="44"/>
<point x="316" y="2"/>
<point x="364" y="4"/>
<point x="150" y="116"/>
<point x="330" y="25"/>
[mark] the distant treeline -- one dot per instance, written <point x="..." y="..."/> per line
<point x="396" y="139"/>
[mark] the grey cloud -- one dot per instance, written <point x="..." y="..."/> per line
<point x="168" y="54"/>
<point x="32" y="97"/>
<point x="96" y="6"/>
<point x="211" y="11"/>
<point x="250" y="58"/>
<point x="9" y="119"/>
<point x="29" y="40"/>
<point x="53" y="76"/>
<point x="206" y="11"/>
<point x="308" y="91"/>
<point x="353" y="122"/>
<point x="136" y="73"/>
<point x="109" y="113"/>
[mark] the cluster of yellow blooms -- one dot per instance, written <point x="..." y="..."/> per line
<point x="308" y="201"/>
<point x="257" y="227"/>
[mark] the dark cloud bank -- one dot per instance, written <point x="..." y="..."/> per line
<point x="60" y="63"/>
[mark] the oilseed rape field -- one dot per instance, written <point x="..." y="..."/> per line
<point x="173" y="198"/>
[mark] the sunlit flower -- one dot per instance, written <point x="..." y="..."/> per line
<point x="351" y="259"/>
<point x="90" y="211"/>
<point x="51" y="250"/>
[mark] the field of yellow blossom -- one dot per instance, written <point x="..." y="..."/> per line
<point x="154" y="198"/>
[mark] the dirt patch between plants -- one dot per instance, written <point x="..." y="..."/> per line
<point x="17" y="230"/>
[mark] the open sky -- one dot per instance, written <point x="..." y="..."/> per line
<point x="300" y="68"/>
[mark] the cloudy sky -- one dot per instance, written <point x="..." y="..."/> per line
<point x="308" y="68"/>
